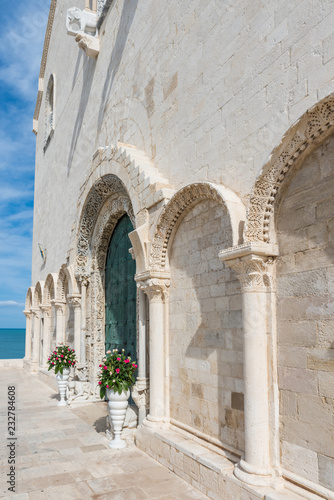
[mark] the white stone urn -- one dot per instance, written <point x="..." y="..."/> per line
<point x="117" y="405"/>
<point x="62" y="380"/>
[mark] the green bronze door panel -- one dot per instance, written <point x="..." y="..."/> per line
<point x="121" y="293"/>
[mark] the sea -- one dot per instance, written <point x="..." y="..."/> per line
<point x="12" y="343"/>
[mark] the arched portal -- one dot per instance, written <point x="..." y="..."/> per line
<point x="120" y="291"/>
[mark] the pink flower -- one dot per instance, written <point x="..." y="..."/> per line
<point x="69" y="349"/>
<point x="126" y="361"/>
<point x="108" y="352"/>
<point x="53" y="363"/>
<point x="105" y="368"/>
<point x="62" y="356"/>
<point x="57" y="359"/>
<point x="136" y="366"/>
<point x="107" y="386"/>
<point x="100" y="382"/>
<point x="118" y="359"/>
<point x="117" y="370"/>
<point x="100" y="366"/>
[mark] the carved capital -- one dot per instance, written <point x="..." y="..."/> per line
<point x="59" y="305"/>
<point x="27" y="314"/>
<point x="254" y="265"/>
<point x="156" y="289"/>
<point x="46" y="309"/>
<point x="35" y="311"/>
<point x="255" y="273"/>
<point x="75" y="301"/>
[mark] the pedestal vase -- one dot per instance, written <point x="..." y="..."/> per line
<point x="62" y="385"/>
<point x="117" y="406"/>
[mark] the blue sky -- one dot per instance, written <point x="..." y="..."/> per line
<point x="22" y="32"/>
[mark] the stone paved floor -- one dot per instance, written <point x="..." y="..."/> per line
<point x="60" y="454"/>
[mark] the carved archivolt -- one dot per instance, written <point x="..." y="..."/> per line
<point x="105" y="187"/>
<point x="112" y="211"/>
<point x="182" y="200"/>
<point x="310" y="131"/>
<point x="38" y="294"/>
<point x="29" y="298"/>
<point x="61" y="285"/>
<point x="49" y="288"/>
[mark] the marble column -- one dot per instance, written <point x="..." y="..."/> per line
<point x="75" y="302"/>
<point x="156" y="289"/>
<point x="60" y="320"/>
<point x="254" y="266"/>
<point x="28" y="334"/>
<point x="46" y="312"/>
<point x="36" y="339"/>
<point x="140" y="390"/>
<point x="84" y="283"/>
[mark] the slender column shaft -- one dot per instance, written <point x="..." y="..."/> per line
<point x="256" y="274"/>
<point x="83" y="322"/>
<point x="36" y="341"/>
<point x="28" y="334"/>
<point x="60" y="321"/>
<point x="256" y="379"/>
<point x="46" y="333"/>
<point x="142" y="369"/>
<point x="156" y="344"/>
<point x="76" y="304"/>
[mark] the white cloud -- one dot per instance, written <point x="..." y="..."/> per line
<point x="6" y="303"/>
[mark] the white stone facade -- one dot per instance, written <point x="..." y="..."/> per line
<point x="209" y="124"/>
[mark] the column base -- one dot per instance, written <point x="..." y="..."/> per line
<point x="253" y="475"/>
<point x="151" y="421"/>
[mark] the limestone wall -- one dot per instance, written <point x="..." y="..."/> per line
<point x="178" y="81"/>
<point x="306" y="319"/>
<point x="205" y="320"/>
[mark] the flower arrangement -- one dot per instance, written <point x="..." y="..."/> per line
<point x="62" y="357"/>
<point x="117" y="372"/>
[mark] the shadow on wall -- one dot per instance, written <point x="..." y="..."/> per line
<point x="206" y="328"/>
<point x="126" y="19"/>
<point x="88" y="76"/>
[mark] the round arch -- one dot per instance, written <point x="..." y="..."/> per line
<point x="308" y="133"/>
<point x="50" y="285"/>
<point x="38" y="293"/>
<point x="184" y="199"/>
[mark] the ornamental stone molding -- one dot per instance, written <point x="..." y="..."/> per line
<point x="253" y="263"/>
<point x="114" y="208"/>
<point x="315" y="126"/>
<point x="102" y="189"/>
<point x="184" y="199"/>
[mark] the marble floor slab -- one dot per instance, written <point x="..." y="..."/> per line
<point x="62" y="453"/>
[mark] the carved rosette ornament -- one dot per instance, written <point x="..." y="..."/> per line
<point x="310" y="131"/>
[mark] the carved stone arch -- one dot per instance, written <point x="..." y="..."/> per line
<point x="104" y="188"/>
<point x="38" y="293"/>
<point x="184" y="199"/>
<point x="50" y="288"/>
<point x="308" y="133"/>
<point x="61" y="284"/>
<point x="113" y="209"/>
<point x="29" y="298"/>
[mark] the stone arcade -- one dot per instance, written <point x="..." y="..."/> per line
<point x="221" y="161"/>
